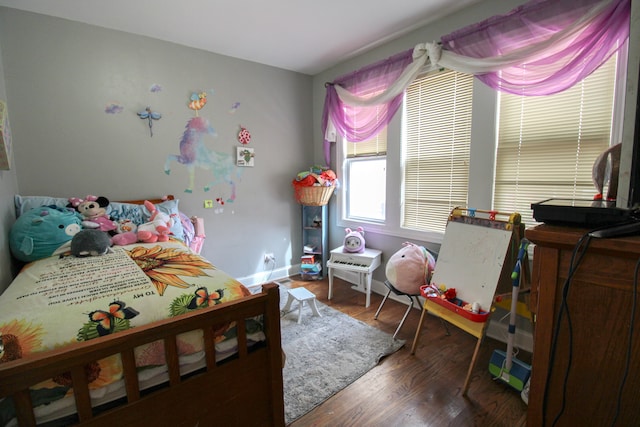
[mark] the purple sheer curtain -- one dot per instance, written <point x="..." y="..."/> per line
<point x="540" y="48"/>
<point x="361" y="123"/>
<point x="558" y="67"/>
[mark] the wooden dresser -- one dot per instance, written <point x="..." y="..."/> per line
<point x="599" y="300"/>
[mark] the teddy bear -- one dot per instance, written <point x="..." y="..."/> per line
<point x="93" y="210"/>
<point x="410" y="268"/>
<point x="354" y="240"/>
<point x="158" y="228"/>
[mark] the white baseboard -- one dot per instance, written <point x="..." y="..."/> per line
<point x="258" y="279"/>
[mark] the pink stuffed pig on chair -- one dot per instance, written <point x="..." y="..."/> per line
<point x="407" y="270"/>
<point x="410" y="268"/>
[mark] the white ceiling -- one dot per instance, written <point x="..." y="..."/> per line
<point x="300" y="35"/>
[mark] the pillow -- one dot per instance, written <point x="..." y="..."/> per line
<point x="187" y="227"/>
<point x="26" y="203"/>
<point x="117" y="210"/>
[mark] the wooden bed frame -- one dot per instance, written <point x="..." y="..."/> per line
<point x="245" y="390"/>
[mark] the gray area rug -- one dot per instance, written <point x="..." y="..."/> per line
<point x="325" y="354"/>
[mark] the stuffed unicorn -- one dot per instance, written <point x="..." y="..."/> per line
<point x="158" y="228"/>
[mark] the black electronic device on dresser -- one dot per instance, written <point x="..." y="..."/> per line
<point x="581" y="213"/>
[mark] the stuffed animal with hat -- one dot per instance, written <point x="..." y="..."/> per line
<point x="354" y="240"/>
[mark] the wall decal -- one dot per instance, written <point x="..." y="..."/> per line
<point x="155" y="88"/>
<point x="151" y="116"/>
<point x="197" y="101"/>
<point x="113" y="108"/>
<point x="234" y="107"/>
<point x="244" y="156"/>
<point x="244" y="137"/>
<point x="193" y="153"/>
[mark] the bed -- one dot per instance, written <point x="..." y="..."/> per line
<point x="148" y="334"/>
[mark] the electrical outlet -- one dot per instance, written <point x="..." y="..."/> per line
<point x="269" y="257"/>
<point x="208" y="204"/>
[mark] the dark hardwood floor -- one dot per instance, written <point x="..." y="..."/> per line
<point x="420" y="390"/>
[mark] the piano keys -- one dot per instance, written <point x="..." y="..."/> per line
<point x="362" y="263"/>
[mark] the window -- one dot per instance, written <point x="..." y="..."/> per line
<point x="437" y="139"/>
<point x="547" y="145"/>
<point x="365" y="171"/>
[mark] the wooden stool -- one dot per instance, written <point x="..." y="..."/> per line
<point x="301" y="295"/>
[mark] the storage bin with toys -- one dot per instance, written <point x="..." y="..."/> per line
<point x="315" y="186"/>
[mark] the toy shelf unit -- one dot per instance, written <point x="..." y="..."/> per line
<point x="315" y="242"/>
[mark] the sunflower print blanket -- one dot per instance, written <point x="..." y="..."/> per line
<point x="60" y="300"/>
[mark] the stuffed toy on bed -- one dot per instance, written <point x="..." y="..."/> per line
<point x="90" y="242"/>
<point x="409" y="268"/>
<point x="94" y="212"/>
<point x="42" y="232"/>
<point x="126" y="233"/>
<point x="158" y="228"/>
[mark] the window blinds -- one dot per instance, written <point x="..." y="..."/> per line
<point x="376" y="146"/>
<point x="436" y="151"/>
<point x="547" y="145"/>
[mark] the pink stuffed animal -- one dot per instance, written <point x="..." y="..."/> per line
<point x="354" y="240"/>
<point x="410" y="268"/>
<point x="158" y="228"/>
<point x="127" y="235"/>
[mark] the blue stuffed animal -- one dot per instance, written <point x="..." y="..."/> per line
<point x="39" y="232"/>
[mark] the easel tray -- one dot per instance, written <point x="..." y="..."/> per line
<point x="456" y="305"/>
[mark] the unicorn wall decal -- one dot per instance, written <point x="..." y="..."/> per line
<point x="193" y="153"/>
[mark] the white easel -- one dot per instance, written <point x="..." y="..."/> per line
<point x="474" y="256"/>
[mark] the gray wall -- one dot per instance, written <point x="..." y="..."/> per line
<point x="8" y="187"/>
<point x="60" y="76"/>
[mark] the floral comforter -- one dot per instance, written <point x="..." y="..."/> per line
<point x="61" y="300"/>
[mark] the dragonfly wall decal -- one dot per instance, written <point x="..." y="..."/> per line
<point x="151" y="116"/>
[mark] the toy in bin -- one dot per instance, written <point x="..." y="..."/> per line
<point x="448" y="298"/>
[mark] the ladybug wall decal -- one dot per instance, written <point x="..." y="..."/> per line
<point x="244" y="137"/>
